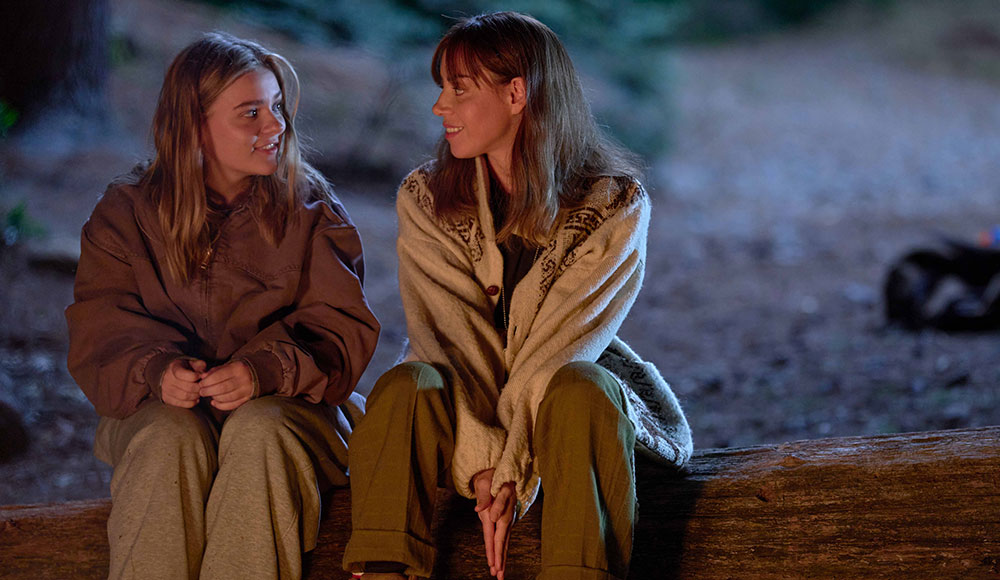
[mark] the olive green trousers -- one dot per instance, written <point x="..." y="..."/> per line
<point x="584" y="451"/>
<point x="195" y="499"/>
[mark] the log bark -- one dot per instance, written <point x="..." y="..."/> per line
<point x="919" y="505"/>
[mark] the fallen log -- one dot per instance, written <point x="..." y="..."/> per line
<point x="918" y="505"/>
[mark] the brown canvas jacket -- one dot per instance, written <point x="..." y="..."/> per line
<point x="296" y="313"/>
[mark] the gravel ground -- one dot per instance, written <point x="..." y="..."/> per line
<point x="802" y="164"/>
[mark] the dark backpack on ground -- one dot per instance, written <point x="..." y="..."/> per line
<point x="951" y="286"/>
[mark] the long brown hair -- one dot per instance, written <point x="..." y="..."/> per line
<point x="176" y="178"/>
<point x="558" y="147"/>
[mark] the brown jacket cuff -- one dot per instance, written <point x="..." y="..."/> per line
<point x="267" y="369"/>
<point x="153" y="373"/>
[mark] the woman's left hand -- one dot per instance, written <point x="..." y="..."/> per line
<point x="228" y="386"/>
<point x="497" y="516"/>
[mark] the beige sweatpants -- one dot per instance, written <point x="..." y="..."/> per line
<point x="584" y="450"/>
<point x="189" y="501"/>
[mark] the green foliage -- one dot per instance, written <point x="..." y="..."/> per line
<point x="619" y="26"/>
<point x="795" y="11"/>
<point x="8" y="118"/>
<point x="18" y="225"/>
<point x="601" y="24"/>
<point x="122" y="49"/>
<point x="721" y="20"/>
<point x="382" y="25"/>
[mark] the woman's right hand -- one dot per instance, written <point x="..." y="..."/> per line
<point x="497" y="516"/>
<point x="181" y="382"/>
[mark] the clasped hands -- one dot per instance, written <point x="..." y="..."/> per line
<point x="186" y="381"/>
<point x="497" y="516"/>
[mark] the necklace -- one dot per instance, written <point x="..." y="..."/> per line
<point x="503" y="293"/>
<point x="215" y="220"/>
<point x="503" y="305"/>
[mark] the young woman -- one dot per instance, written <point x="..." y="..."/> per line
<point x="219" y="328"/>
<point x="521" y="249"/>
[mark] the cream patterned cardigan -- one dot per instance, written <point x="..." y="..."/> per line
<point x="567" y="308"/>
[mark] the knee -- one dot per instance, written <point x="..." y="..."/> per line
<point x="405" y="382"/>
<point x="285" y="434"/>
<point x="174" y="432"/>
<point x="256" y="422"/>
<point x="582" y="399"/>
<point x="580" y="392"/>
<point x="581" y="386"/>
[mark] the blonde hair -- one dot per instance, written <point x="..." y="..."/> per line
<point x="176" y="177"/>
<point x="558" y="147"/>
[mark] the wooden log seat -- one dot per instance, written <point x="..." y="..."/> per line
<point x="908" y="506"/>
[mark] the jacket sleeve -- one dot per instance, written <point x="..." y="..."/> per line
<point x="320" y="348"/>
<point x="449" y="324"/>
<point x="117" y="349"/>
<point x="577" y="319"/>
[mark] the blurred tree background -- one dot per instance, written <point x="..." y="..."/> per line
<point x="620" y="44"/>
<point x="56" y="56"/>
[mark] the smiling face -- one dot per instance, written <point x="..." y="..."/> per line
<point x="480" y="118"/>
<point x="241" y="132"/>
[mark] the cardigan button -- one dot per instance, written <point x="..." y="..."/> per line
<point x="493" y="290"/>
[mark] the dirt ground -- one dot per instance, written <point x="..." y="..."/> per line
<point x="801" y="165"/>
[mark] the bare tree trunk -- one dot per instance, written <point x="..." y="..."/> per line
<point x="54" y="60"/>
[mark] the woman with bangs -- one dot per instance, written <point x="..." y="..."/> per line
<point x="219" y="327"/>
<point x="521" y="250"/>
